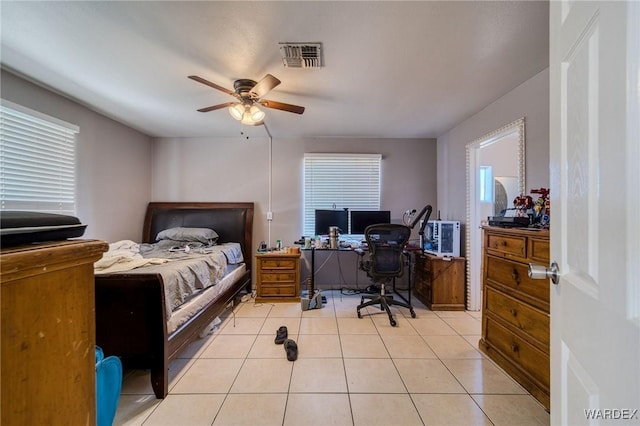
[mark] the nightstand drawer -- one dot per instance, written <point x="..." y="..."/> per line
<point x="278" y="290"/>
<point x="278" y="263"/>
<point x="277" y="277"/>
<point x="533" y="361"/>
<point x="531" y="321"/>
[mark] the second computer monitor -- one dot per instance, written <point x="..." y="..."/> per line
<point x="360" y="219"/>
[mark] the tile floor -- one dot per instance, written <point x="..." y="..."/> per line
<point x="350" y="371"/>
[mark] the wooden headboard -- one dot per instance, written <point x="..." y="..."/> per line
<point x="232" y="221"/>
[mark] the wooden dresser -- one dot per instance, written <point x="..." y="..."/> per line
<point x="515" y="308"/>
<point x="48" y="333"/>
<point x="439" y="282"/>
<point x="278" y="277"/>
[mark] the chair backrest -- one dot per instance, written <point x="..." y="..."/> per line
<point x="386" y="243"/>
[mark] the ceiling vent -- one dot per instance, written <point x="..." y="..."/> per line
<point x="301" y="55"/>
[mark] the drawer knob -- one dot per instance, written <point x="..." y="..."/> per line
<point x="515" y="276"/>
<point x="514" y="312"/>
<point x="503" y="243"/>
<point x="515" y="347"/>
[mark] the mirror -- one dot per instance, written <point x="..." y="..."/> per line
<point x="506" y="189"/>
<point x="495" y="176"/>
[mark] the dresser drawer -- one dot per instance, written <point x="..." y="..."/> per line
<point x="539" y="250"/>
<point x="278" y="263"/>
<point x="516" y="276"/>
<point x="278" y="290"/>
<point x="508" y="245"/>
<point x="277" y="277"/>
<point x="520" y="352"/>
<point x="532" y="321"/>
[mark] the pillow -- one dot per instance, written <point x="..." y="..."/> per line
<point x="203" y="235"/>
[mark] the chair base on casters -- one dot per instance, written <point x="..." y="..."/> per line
<point x="385" y="301"/>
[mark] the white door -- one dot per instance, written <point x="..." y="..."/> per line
<point x="595" y="212"/>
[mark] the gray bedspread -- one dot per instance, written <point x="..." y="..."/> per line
<point x="189" y="269"/>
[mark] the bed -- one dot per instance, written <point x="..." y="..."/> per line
<point x="133" y="319"/>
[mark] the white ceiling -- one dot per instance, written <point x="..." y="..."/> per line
<point x="392" y="69"/>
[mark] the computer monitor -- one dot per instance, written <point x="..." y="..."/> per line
<point x="360" y="219"/>
<point x="327" y="218"/>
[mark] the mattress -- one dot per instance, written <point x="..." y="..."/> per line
<point x="199" y="300"/>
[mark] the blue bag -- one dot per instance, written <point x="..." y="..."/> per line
<point x="108" y="386"/>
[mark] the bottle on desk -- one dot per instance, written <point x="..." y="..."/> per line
<point x="333" y="237"/>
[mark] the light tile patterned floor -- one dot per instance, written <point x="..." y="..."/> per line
<point x="350" y="371"/>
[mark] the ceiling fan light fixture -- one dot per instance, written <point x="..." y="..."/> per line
<point x="256" y="113"/>
<point x="248" y="94"/>
<point x="248" y="121"/>
<point x="237" y="111"/>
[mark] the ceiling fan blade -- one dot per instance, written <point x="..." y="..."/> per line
<point x="282" y="106"/>
<point x="264" y="86"/>
<point x="210" y="84"/>
<point x="214" y="107"/>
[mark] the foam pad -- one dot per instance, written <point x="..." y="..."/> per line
<point x="20" y="227"/>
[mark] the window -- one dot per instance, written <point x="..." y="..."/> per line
<point x="339" y="181"/>
<point x="486" y="184"/>
<point x="37" y="161"/>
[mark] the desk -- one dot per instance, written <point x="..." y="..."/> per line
<point x="350" y="250"/>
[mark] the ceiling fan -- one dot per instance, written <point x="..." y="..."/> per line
<point x="249" y="95"/>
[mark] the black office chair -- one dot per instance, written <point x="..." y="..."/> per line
<point x="385" y="262"/>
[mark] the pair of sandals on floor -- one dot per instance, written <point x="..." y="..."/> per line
<point x="290" y="346"/>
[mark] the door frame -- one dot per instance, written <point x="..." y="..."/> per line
<point x="473" y="231"/>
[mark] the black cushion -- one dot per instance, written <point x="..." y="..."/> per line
<point x="21" y="227"/>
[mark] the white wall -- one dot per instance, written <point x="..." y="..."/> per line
<point x="113" y="162"/>
<point x="502" y="156"/>
<point x="529" y="100"/>
<point x="236" y="169"/>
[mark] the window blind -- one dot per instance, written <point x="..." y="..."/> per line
<point x="338" y="181"/>
<point x="37" y="161"/>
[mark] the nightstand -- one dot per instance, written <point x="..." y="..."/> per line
<point x="278" y="277"/>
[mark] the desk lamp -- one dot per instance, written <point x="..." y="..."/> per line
<point x="426" y="211"/>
